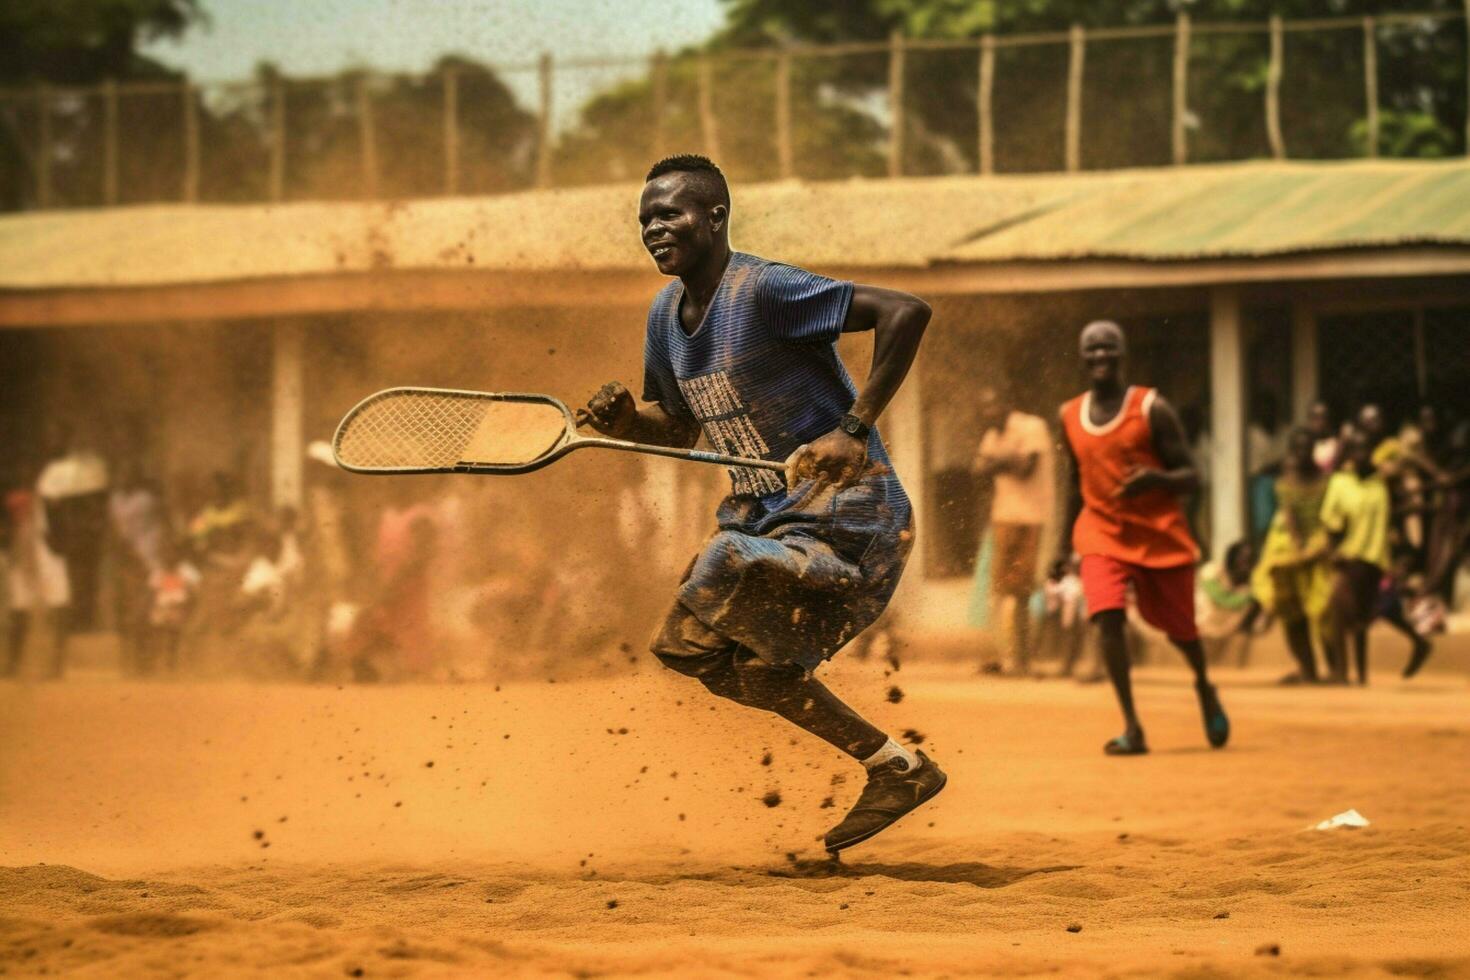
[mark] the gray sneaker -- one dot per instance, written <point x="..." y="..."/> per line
<point x="892" y="791"/>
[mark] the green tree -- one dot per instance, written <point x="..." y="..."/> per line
<point x="80" y="42"/>
<point x="72" y="43"/>
<point x="1421" y="77"/>
<point x="324" y="150"/>
<point x="840" y="118"/>
<point x="77" y="42"/>
<point x="615" y="137"/>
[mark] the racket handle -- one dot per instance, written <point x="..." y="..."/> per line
<point x="695" y="455"/>
<point x="756" y="464"/>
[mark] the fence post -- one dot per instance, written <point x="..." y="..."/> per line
<point x="367" y="137"/>
<point x="895" y="103"/>
<point x="278" y="139"/>
<point x="1467" y="76"/>
<point x="1074" y="98"/>
<point x="985" y="99"/>
<point x="191" y="144"/>
<point x="109" y="142"/>
<point x="543" y="125"/>
<point x="451" y="131"/>
<point x="43" y="154"/>
<point x="1273" y="92"/>
<point x="1370" y="82"/>
<point x="708" y="128"/>
<point x="784" y="155"/>
<point x="659" y="69"/>
<point x="1181" y="88"/>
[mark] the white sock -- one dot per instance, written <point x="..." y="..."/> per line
<point x="892" y="750"/>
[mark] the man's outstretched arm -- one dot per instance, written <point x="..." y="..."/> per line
<point x="898" y="321"/>
<point x="612" y="411"/>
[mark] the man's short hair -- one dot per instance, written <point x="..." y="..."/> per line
<point x="710" y="180"/>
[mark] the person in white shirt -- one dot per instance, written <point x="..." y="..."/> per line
<point x="36" y="583"/>
<point x="1015" y="452"/>
<point x="73" y="488"/>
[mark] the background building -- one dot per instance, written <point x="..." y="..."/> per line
<point x="227" y="337"/>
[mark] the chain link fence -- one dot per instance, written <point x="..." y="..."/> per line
<point x="1084" y="99"/>
<point x="1398" y="360"/>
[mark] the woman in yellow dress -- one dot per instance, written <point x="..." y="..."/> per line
<point x="1292" y="579"/>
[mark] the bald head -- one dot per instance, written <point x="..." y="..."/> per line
<point x="1102" y="347"/>
<point x="1103" y="331"/>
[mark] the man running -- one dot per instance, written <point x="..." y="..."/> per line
<point x="1130" y="466"/>
<point x="743" y="350"/>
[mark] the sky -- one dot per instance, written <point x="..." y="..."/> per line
<point x="322" y="37"/>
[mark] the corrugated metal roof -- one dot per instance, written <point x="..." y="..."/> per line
<point x="1246" y="210"/>
<point x="1167" y="214"/>
<point x="870" y="223"/>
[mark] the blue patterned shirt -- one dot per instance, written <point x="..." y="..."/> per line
<point x="761" y="373"/>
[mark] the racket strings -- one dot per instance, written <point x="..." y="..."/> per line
<point x="417" y="430"/>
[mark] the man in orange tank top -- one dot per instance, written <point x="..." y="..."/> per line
<point x="1130" y="467"/>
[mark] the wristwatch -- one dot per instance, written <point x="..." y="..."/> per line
<point x="854" y="427"/>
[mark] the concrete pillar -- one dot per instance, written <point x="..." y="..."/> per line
<point x="1304" y="382"/>
<point x="1227" y="419"/>
<point x="287" y="446"/>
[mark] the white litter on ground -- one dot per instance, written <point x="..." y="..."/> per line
<point x="1347" y="818"/>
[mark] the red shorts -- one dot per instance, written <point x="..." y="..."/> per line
<point x="1165" y="595"/>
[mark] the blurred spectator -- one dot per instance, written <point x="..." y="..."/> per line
<point x="1416" y="487"/>
<point x="1015" y="452"/>
<point x="1264" y="447"/>
<point x="1293" y="580"/>
<point x="36" y="579"/>
<point x="1224" y="607"/>
<point x="1425" y="484"/>
<point x="272" y="639"/>
<point x="885" y="636"/>
<point x="1398" y="591"/>
<point x="394" y="634"/>
<point x="1387" y="452"/>
<point x="1326" y="441"/>
<point x="1196" y="422"/>
<point x="173" y="587"/>
<point x="221" y="546"/>
<point x="263" y="586"/>
<point x="512" y="601"/>
<point x="1063" y="616"/>
<point x="290" y="562"/>
<point x="1448" y="447"/>
<point x="1356" y="513"/>
<point x="330" y="563"/>
<point x="221" y="520"/>
<point x="1394" y="460"/>
<point x="140" y="528"/>
<point x="73" y="487"/>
